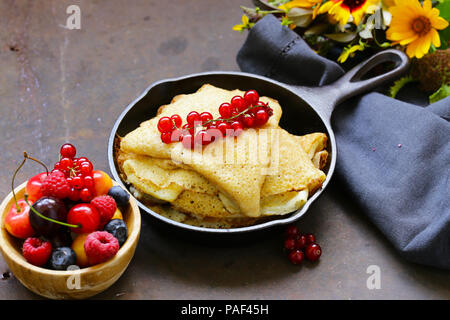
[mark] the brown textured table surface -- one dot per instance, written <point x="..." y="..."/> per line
<point x="60" y="85"/>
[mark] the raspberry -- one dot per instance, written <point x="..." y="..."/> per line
<point x="36" y="251"/>
<point x="56" y="185"/>
<point x="100" y="246"/>
<point x="106" y="206"/>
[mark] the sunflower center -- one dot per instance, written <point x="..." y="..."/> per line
<point x="421" y="25"/>
<point x="353" y="5"/>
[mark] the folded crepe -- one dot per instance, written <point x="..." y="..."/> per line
<point x="274" y="175"/>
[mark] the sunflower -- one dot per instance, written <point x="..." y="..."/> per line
<point x="342" y="10"/>
<point x="415" y="25"/>
<point x="303" y="4"/>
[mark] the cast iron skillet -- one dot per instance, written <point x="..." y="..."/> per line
<point x="305" y="110"/>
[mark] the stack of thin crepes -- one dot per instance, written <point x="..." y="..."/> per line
<point x="234" y="181"/>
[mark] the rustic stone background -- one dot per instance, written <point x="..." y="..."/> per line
<point x="62" y="85"/>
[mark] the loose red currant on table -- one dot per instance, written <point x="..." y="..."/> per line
<point x="310" y="238"/>
<point x="292" y="231"/>
<point x="296" y="256"/>
<point x="313" y="252"/>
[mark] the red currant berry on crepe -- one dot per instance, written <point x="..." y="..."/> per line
<point x="292" y="231"/>
<point x="225" y="110"/>
<point x="192" y="118"/>
<point x="165" y="124"/>
<point x="313" y="252"/>
<point x="85" y="215"/>
<point x="300" y="242"/>
<point x="223" y="127"/>
<point x="65" y="164"/>
<point x="17" y="220"/>
<point x="251" y="97"/>
<point x="36" y="251"/>
<point x="177" y="135"/>
<point x="238" y="103"/>
<point x="205" y="116"/>
<point x="248" y="120"/>
<point x="202" y="137"/>
<point x="68" y="151"/>
<point x="296" y="256"/>
<point x="310" y="238"/>
<point x="188" y="128"/>
<point x="234" y="112"/>
<point x="261" y="117"/>
<point x="188" y="141"/>
<point x="237" y="128"/>
<point x="86" y="195"/>
<point x="176" y="119"/>
<point x="166" y="137"/>
<point x="33" y="187"/>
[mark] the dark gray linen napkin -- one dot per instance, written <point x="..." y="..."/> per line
<point x="393" y="156"/>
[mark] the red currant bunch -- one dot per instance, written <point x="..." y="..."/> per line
<point x="201" y="128"/>
<point x="298" y="246"/>
<point x="78" y="173"/>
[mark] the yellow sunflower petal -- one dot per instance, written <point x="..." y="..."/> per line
<point x="435" y="39"/>
<point x="245" y="20"/>
<point x="412" y="48"/>
<point x="440" y="23"/>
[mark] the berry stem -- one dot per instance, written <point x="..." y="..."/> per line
<point x="26" y="156"/>
<point x="12" y="183"/>
<point x="49" y="219"/>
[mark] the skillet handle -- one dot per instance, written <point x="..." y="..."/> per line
<point x="326" y="98"/>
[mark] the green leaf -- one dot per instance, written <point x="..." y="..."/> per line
<point x="316" y="29"/>
<point x="441" y="93"/>
<point x="400" y="83"/>
<point x="444" y="8"/>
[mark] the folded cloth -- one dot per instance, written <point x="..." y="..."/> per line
<point x="393" y="156"/>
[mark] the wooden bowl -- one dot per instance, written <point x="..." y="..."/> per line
<point x="73" y="284"/>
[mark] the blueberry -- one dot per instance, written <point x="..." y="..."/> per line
<point x="121" y="196"/>
<point x="118" y="229"/>
<point x="62" y="258"/>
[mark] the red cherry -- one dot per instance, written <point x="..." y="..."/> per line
<point x="223" y="127"/>
<point x="237" y="128"/>
<point x="296" y="256"/>
<point x="261" y="117"/>
<point x="292" y="231"/>
<point x="310" y="238"/>
<point x="251" y="97"/>
<point x="239" y="103"/>
<point x="166" y="137"/>
<point x="65" y="163"/>
<point x="84" y="214"/>
<point x="188" y="141"/>
<point x="289" y="244"/>
<point x="86" y="195"/>
<point x="17" y="220"/>
<point x="33" y="187"/>
<point x="193" y="117"/>
<point x="177" y="120"/>
<point x="300" y="242"/>
<point x="205" y="116"/>
<point x="225" y="110"/>
<point x="248" y="120"/>
<point x="313" y="252"/>
<point x="165" y="124"/>
<point x="68" y="151"/>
